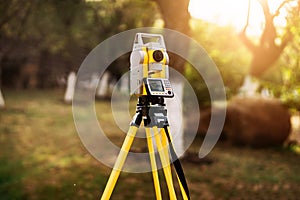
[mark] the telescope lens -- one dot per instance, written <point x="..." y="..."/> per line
<point x="158" y="55"/>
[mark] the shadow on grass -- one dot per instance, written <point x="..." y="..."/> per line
<point x="11" y="186"/>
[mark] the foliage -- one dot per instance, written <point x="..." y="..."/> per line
<point x="57" y="35"/>
<point x="222" y="45"/>
<point x="198" y="85"/>
<point x="290" y="66"/>
<point x="283" y="79"/>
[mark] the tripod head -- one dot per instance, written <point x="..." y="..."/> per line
<point x="149" y="70"/>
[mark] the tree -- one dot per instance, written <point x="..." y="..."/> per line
<point x="268" y="50"/>
<point x="57" y="35"/>
<point x="176" y="17"/>
<point x="10" y="11"/>
<point x="175" y="14"/>
<point x="287" y="88"/>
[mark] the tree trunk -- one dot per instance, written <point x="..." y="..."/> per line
<point x="70" y="87"/>
<point x="176" y="17"/>
<point x="267" y="52"/>
<point x="249" y="87"/>
<point x="175" y="14"/>
<point x="2" y="103"/>
<point x="175" y="115"/>
<point x="124" y="88"/>
<point x="103" y="85"/>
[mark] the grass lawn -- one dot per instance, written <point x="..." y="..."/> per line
<point x="42" y="157"/>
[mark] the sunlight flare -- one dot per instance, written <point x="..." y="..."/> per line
<point x="234" y="13"/>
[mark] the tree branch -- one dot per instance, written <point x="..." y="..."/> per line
<point x="277" y="12"/>
<point x="286" y="39"/>
<point x="247" y="42"/>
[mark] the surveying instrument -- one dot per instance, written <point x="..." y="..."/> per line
<point x="149" y="81"/>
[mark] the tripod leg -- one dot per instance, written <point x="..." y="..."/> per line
<point x="153" y="165"/>
<point x="165" y="163"/>
<point x="166" y="136"/>
<point x="119" y="163"/>
<point x="164" y="142"/>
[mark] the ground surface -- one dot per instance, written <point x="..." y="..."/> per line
<point x="42" y="157"/>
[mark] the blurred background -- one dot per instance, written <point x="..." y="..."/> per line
<point x="254" y="43"/>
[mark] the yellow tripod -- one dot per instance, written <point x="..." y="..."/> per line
<point x="151" y="110"/>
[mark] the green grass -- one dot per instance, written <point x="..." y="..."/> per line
<point x="42" y="157"/>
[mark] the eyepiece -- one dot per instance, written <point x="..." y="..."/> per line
<point x="158" y="55"/>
